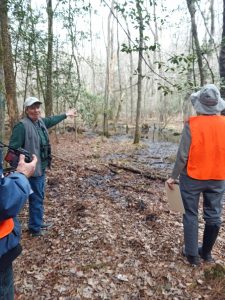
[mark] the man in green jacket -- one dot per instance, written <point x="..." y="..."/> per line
<point x="31" y="134"/>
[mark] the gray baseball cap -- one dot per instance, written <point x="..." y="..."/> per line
<point x="30" y="101"/>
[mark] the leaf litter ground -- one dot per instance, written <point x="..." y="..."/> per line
<point x="113" y="236"/>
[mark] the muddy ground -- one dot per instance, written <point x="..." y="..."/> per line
<point x="114" y="236"/>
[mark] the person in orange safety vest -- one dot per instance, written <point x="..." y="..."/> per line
<point x="200" y="166"/>
<point x="14" y="191"/>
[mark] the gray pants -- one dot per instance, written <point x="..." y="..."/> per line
<point x="212" y="191"/>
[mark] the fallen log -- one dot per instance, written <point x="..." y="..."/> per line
<point x="153" y="175"/>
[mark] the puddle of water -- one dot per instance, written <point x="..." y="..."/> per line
<point x="158" y="154"/>
<point x="151" y="136"/>
<point x="166" y="136"/>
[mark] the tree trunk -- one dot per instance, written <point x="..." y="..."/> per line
<point x="192" y="11"/>
<point x="187" y="106"/>
<point x="48" y="93"/>
<point x="108" y="76"/>
<point x="159" y="96"/>
<point x="212" y="48"/>
<point x="139" y="70"/>
<point x="92" y="52"/>
<point x="39" y="82"/>
<point x="10" y="82"/>
<point x="222" y="58"/>
<point x="18" y="36"/>
<point x="2" y="92"/>
<point x="120" y="100"/>
<point x="74" y="56"/>
<point x="131" y="68"/>
<point x="28" y="69"/>
<point x="212" y="32"/>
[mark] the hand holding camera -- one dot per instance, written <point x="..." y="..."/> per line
<point x="12" y="156"/>
<point x="26" y="168"/>
<point x="20" y="160"/>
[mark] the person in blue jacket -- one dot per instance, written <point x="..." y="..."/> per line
<point x="14" y="191"/>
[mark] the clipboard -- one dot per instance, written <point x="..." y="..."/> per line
<point x="174" y="198"/>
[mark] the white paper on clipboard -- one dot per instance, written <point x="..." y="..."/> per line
<point x="174" y="198"/>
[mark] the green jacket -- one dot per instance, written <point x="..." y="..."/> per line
<point x="17" y="138"/>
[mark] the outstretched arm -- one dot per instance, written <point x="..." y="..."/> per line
<point x="53" y="120"/>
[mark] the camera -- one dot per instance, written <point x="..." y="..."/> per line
<point x="12" y="156"/>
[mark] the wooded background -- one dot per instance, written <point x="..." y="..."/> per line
<point x="115" y="61"/>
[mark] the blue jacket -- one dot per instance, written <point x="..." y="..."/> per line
<point x="14" y="191"/>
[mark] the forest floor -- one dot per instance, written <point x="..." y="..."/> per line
<point x="113" y="235"/>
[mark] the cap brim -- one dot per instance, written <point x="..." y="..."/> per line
<point x="30" y="104"/>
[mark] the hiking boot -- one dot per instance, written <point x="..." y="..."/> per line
<point x="193" y="260"/>
<point x="208" y="257"/>
<point x="46" y="225"/>
<point x="37" y="234"/>
<point x="209" y="238"/>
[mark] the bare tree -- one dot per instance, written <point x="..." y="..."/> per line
<point x="28" y="68"/>
<point x="222" y="57"/>
<point x="131" y="70"/>
<point x="139" y="70"/>
<point x="120" y="100"/>
<point x="212" y="28"/>
<point x="162" y="104"/>
<point x="192" y="11"/>
<point x="108" y="73"/>
<point x="39" y="80"/>
<point x="92" y="50"/>
<point x="74" y="57"/>
<point x="2" y="91"/>
<point x="10" y="82"/>
<point x="48" y="90"/>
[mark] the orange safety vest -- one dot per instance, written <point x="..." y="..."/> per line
<point x="206" y="159"/>
<point x="6" y="227"/>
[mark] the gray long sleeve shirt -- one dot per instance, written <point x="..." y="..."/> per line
<point x="180" y="165"/>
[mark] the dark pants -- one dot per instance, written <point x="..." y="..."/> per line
<point x="6" y="284"/>
<point x="36" y="203"/>
<point x="212" y="191"/>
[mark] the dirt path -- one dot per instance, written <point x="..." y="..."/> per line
<point x="113" y="235"/>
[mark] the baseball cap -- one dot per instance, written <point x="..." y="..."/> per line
<point x="30" y="101"/>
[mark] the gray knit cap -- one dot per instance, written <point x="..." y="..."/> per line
<point x="208" y="101"/>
